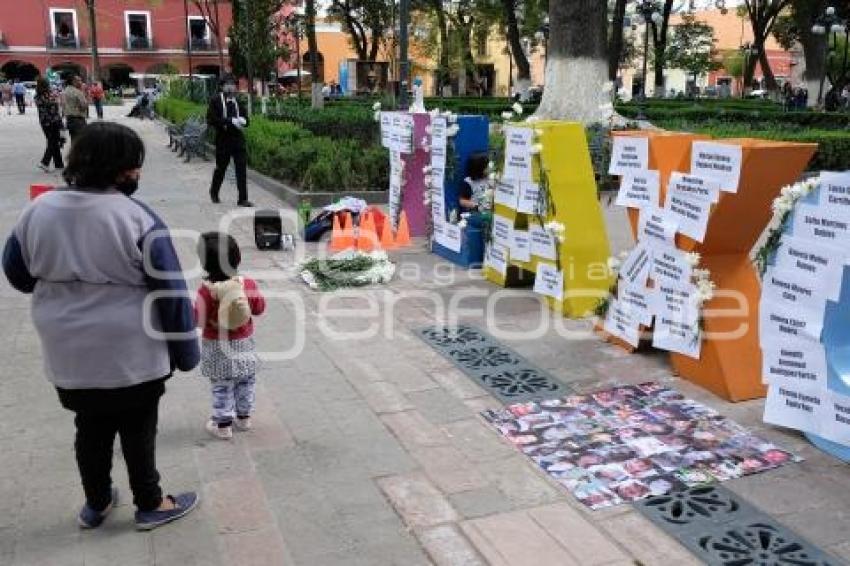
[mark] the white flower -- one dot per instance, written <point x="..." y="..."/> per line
<point x="492" y="177"/>
<point x="452" y="117"/>
<point x="701" y="274"/>
<point x="488" y="194"/>
<point x="532" y="119"/>
<point x="809" y="186"/>
<point x="377" y="115"/>
<point x="785" y="191"/>
<point x="429" y="130"/>
<point x="491" y="166"/>
<point x="517" y="108"/>
<point x="427" y="169"/>
<point x="426" y="147"/>
<point x="376" y="106"/>
<point x="782" y="204"/>
<point x="775" y="221"/>
<point x="427" y="180"/>
<point x="555" y="228"/>
<point x="536" y="149"/>
<point x="426" y="200"/>
<point x="614" y="264"/>
<point x="452" y="130"/>
<point x="623" y="255"/>
<point x="434" y="113"/>
<point x="692" y="259"/>
<point x="796" y="192"/>
<point x="462" y="224"/>
<point x="507" y="115"/>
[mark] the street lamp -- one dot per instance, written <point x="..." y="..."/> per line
<point x="829" y="22"/>
<point x="647" y="12"/>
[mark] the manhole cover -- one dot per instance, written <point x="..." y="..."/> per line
<point x="505" y="374"/>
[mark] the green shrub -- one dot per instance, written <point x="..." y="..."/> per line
<point x="340" y="122"/>
<point x="292" y="154"/>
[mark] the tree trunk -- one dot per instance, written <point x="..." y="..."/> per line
<point x="444" y="68"/>
<point x="523" y="67"/>
<point x="615" y="46"/>
<point x="577" y="67"/>
<point x="769" y="78"/>
<point x="219" y="42"/>
<point x="814" y="47"/>
<point x="659" y="38"/>
<point x="313" y="47"/>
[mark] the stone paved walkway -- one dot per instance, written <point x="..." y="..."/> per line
<point x="367" y="451"/>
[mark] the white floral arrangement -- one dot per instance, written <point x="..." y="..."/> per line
<point x="556" y="230"/>
<point x="376" y="108"/>
<point x="348" y="269"/>
<point x="782" y="207"/>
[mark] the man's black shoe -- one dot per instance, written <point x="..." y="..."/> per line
<point x="245" y="203"/>
<point x="215" y="199"/>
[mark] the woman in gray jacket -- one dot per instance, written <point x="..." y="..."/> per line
<point x="111" y="308"/>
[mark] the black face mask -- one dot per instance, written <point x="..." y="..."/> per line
<point x="127" y="186"/>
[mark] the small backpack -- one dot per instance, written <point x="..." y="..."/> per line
<point x="234" y="310"/>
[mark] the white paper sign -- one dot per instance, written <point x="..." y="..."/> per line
<point x="674" y="301"/>
<point x="689" y="212"/>
<point x="496" y="259"/>
<point x="521" y="246"/>
<point x="400" y="132"/>
<point x="794" y="362"/>
<point x="835" y="191"/>
<point x="785" y="285"/>
<point x="638" y="299"/>
<point x="676" y="335"/>
<point x="542" y="242"/>
<point x="635" y="268"/>
<point x="529" y="195"/>
<point x="503" y="230"/>
<point x="639" y="189"/>
<point x="777" y="323"/>
<point x="721" y="161"/>
<point x="396" y="179"/>
<point x="439" y="140"/>
<point x="655" y="229"/>
<point x="518" y="157"/>
<point x="629" y="155"/>
<point x="507" y="193"/>
<point x="824" y="225"/>
<point x="452" y="238"/>
<point x="671" y="266"/>
<point x="702" y="187"/>
<point x="813" y="261"/>
<point x="837" y="418"/>
<point x="386" y="124"/>
<point x="549" y="281"/>
<point x="621" y="322"/>
<point x="802" y="408"/>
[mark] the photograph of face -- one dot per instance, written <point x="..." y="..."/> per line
<point x="630" y="442"/>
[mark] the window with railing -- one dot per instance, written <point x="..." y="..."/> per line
<point x="63" y="27"/>
<point x="138" y="29"/>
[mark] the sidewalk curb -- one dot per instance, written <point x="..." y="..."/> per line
<point x="294" y="197"/>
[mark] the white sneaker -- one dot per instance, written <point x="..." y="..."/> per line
<point x="243" y="424"/>
<point x="216" y="431"/>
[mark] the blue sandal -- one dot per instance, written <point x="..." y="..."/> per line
<point x="91" y="519"/>
<point x="184" y="504"/>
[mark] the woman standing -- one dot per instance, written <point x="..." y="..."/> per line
<point x="111" y="308"/>
<point x="51" y="124"/>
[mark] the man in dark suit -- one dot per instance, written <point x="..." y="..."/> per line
<point x="228" y="117"/>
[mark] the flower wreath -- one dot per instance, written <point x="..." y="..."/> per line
<point x="783" y="206"/>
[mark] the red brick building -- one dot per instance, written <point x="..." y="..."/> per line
<point x="141" y="36"/>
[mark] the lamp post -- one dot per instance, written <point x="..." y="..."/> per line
<point x="829" y="22"/>
<point x="648" y="12"/>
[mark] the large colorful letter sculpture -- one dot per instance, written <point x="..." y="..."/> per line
<point x="558" y="241"/>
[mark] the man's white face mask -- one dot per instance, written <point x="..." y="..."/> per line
<point x="229" y="88"/>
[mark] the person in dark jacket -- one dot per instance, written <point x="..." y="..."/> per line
<point x="113" y="314"/>
<point x="227" y="116"/>
<point x="51" y="124"/>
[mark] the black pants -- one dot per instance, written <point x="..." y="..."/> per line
<point x="75" y="125"/>
<point x="54" y="148"/>
<point x="227" y="148"/>
<point x="131" y="413"/>
<point x="98" y="107"/>
<point x="22" y="107"/>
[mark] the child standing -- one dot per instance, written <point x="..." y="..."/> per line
<point x="224" y="309"/>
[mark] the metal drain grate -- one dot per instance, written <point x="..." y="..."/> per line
<point x="722" y="529"/>
<point x="504" y="373"/>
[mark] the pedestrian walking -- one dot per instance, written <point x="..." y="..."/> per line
<point x="75" y="105"/>
<point x="96" y="93"/>
<point x="7" y="97"/>
<point x="100" y="265"/>
<point x="20" y="92"/>
<point x="227" y="116"/>
<point x="51" y="124"/>
<point x="224" y="309"/>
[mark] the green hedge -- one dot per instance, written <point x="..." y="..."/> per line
<point x="762" y="118"/>
<point x="292" y="154"/>
<point x="338" y="122"/>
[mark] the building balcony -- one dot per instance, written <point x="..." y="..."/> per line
<point x="140" y="44"/>
<point x="203" y="44"/>
<point x="64" y="42"/>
